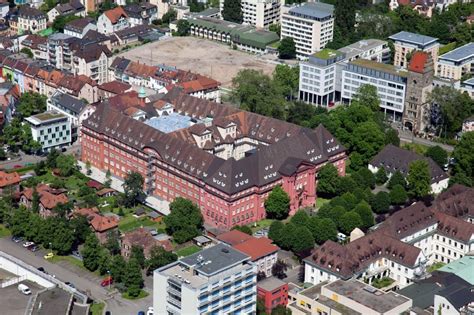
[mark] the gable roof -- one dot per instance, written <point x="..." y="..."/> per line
<point x="257" y="248"/>
<point x="92" y="52"/>
<point x="393" y="159"/>
<point x="79" y="25"/>
<point x="71" y="103"/>
<point x="233" y="237"/>
<point x="116" y="87"/>
<point x="7" y="179"/>
<point x="115" y="14"/>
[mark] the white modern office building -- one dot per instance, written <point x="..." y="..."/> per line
<point x="310" y="24"/>
<point x="51" y="129"/>
<point x="321" y="75"/>
<point x="456" y="63"/>
<point x="391" y="84"/>
<point x="216" y="280"/>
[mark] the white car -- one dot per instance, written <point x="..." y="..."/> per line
<point x="150" y="311"/>
<point x="28" y="244"/>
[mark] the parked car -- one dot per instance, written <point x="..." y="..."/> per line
<point x="49" y="255"/>
<point x="150" y="311"/>
<point x="17" y="239"/>
<point x="107" y="281"/>
<point x="69" y="284"/>
<point x="28" y="244"/>
<point x="17" y="166"/>
<point x="77" y="254"/>
<point x="33" y="248"/>
<point x="24" y="289"/>
<point x="42" y="269"/>
<point x="141" y="313"/>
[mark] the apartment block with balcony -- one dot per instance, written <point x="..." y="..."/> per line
<point x="92" y="61"/>
<point x="218" y="280"/>
<point x="457" y="63"/>
<point x="29" y="19"/>
<point x="405" y="43"/>
<point x="391" y="84"/>
<point x="311" y="26"/>
<point x="60" y="48"/>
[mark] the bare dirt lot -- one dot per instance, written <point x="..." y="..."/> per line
<point x="206" y="57"/>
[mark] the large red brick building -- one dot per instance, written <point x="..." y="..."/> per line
<point x="226" y="160"/>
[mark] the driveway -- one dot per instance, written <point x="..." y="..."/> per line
<point x="83" y="280"/>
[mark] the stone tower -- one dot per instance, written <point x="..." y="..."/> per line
<point x="419" y="85"/>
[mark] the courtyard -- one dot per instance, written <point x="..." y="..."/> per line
<point x="212" y="59"/>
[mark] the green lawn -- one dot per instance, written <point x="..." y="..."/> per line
<point x="382" y="283"/>
<point x="140" y="296"/>
<point x="320" y="202"/>
<point x="186" y="251"/>
<point x="4" y="232"/>
<point x="70" y="259"/>
<point x="435" y="266"/>
<point x="130" y="223"/>
<point x="415" y="147"/>
<point x="261" y="224"/>
<point x="97" y="308"/>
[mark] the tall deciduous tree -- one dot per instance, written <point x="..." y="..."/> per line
<point x="437" y="154"/>
<point x="367" y="95"/>
<point x="327" y="180"/>
<point x="419" y="179"/>
<point x="232" y="11"/>
<point x="381" y="176"/>
<point x="464" y="168"/>
<point x="133" y="278"/>
<point x="365" y="213"/>
<point x="349" y="221"/>
<point x="185" y="220"/>
<point x="397" y="178"/>
<point x="133" y="188"/>
<point x="323" y="229"/>
<point x="345" y="11"/>
<point x="380" y="202"/>
<point x="277" y="204"/>
<point x="66" y="164"/>
<point x="398" y="195"/>
<point x="91" y="252"/>
<point x="287" y="48"/>
<point x="138" y="255"/>
<point x="159" y="257"/>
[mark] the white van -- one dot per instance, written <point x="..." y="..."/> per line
<point x="24" y="289"/>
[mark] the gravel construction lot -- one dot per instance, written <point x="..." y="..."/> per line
<point x="206" y="57"/>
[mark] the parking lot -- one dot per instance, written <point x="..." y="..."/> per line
<point x="13" y="302"/>
<point x="213" y="59"/>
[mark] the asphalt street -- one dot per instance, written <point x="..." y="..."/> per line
<point x="83" y="280"/>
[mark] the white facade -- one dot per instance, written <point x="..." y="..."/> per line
<point x="391" y="86"/>
<point x="259" y="13"/>
<point x="80" y="34"/>
<point x="203" y="284"/>
<point x="105" y="26"/>
<point x="311" y="26"/>
<point x="50" y="129"/>
<point x="97" y="70"/>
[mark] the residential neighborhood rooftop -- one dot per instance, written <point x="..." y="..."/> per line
<point x="270" y="284"/>
<point x="45" y="117"/>
<point x="413" y="38"/>
<point x="382" y="67"/>
<point x="462" y="267"/>
<point x="460" y="54"/>
<point x="327" y="53"/>
<point x="317" y="10"/>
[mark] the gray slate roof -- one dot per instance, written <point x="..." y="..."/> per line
<point x="71" y="103"/>
<point x="413" y="38"/>
<point x="459" y="54"/>
<point x="317" y="10"/>
<point x="215" y="259"/>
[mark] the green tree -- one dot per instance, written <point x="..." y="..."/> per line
<point x="419" y="179"/>
<point x="344" y="12"/>
<point x="437" y="154"/>
<point x="327" y="180"/>
<point x="61" y="21"/>
<point x="66" y="164"/>
<point x="112" y="243"/>
<point x="287" y="79"/>
<point x="232" y="11"/>
<point x="108" y="179"/>
<point x="464" y="168"/>
<point x="367" y="140"/>
<point x="275" y="232"/>
<point x="105" y="262"/>
<point x="345" y="184"/>
<point x="275" y="27"/>
<point x="279" y="269"/>
<point x="133" y="188"/>
<point x="398" y="195"/>
<point x="138" y="254"/>
<point x="35" y="201"/>
<point x="300" y="218"/>
<point x="391" y="137"/>
<point x="118" y="269"/>
<point x="381" y="176"/>
<point x="367" y="95"/>
<point x="169" y="16"/>
<point x="364" y="178"/>
<point x="27" y="52"/>
<point x="185" y="220"/>
<point x="277" y="205"/>
<point x="159" y="257"/>
<point x="81" y="228"/>
<point x="31" y="103"/>
<point x="287" y="48"/>
<point x="397" y="178"/>
<point x="133" y="278"/>
<point x="349" y="221"/>
<point x="183" y="28"/>
<point x="336" y="213"/>
<point x="323" y="229"/>
<point x="243" y="228"/>
<point x="91" y="252"/>
<point x="380" y="202"/>
<point x="365" y="214"/>
<point x="280" y="310"/>
<point x="51" y="158"/>
<point x="40" y="168"/>
<point x="256" y="92"/>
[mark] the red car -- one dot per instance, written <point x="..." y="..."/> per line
<point x="107" y="281"/>
<point x="17" y="166"/>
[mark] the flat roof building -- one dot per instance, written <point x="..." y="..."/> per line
<point x="259" y="13"/>
<point x="468" y="87"/>
<point x="51" y="129"/>
<point x="311" y="26"/>
<point x="217" y="279"/>
<point x="457" y="63"/>
<point x="406" y="42"/>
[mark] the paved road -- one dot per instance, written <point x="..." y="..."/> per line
<point x="407" y="136"/>
<point x="83" y="280"/>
